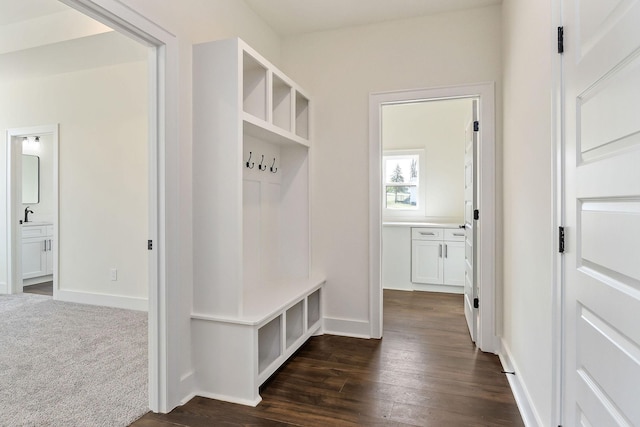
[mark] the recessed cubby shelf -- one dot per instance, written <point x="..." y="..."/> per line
<point x="295" y="323"/>
<point x="313" y="308"/>
<point x="281" y="103"/>
<point x="302" y="116"/>
<point x="254" y="301"/>
<point x="254" y="87"/>
<point x="269" y="347"/>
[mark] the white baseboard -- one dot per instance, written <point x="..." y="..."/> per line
<point x="347" y="327"/>
<point x="226" y="398"/>
<point x="528" y="412"/>
<point x="439" y="288"/>
<point x="115" y="301"/>
<point x="3" y="288"/>
<point x="187" y="385"/>
<point x="37" y="280"/>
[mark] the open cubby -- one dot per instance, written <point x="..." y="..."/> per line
<point x="313" y="308"/>
<point x="269" y="343"/>
<point x="295" y="323"/>
<point x="302" y="116"/>
<point x="281" y="103"/>
<point x="254" y="87"/>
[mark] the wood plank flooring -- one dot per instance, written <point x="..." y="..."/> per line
<point x="424" y="372"/>
<point x="45" y="288"/>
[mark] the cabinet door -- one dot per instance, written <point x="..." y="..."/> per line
<point x="454" y="263"/>
<point x="49" y="255"/>
<point x="426" y="262"/>
<point x="34" y="257"/>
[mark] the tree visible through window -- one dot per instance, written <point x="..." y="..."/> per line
<point x="401" y="176"/>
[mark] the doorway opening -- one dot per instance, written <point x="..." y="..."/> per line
<point x="32" y="202"/>
<point x="161" y="123"/>
<point x="412" y="208"/>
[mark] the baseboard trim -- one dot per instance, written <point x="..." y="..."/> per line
<point x="346" y="327"/>
<point x="229" y="399"/>
<point x="3" y="288"/>
<point x="187" y="385"/>
<point x="115" y="301"/>
<point x="519" y="389"/>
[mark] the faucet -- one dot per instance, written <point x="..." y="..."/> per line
<point x="26" y="213"/>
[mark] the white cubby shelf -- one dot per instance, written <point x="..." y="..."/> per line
<point x="254" y="301"/>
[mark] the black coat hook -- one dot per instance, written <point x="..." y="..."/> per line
<point x="262" y="168"/>
<point x="274" y="170"/>
<point x="252" y="164"/>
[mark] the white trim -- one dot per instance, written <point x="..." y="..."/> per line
<point x="346" y="327"/>
<point x="558" y="219"/>
<point x="529" y="415"/>
<point x="487" y="340"/>
<point x="164" y="351"/>
<point x="115" y="301"/>
<point x="226" y="398"/>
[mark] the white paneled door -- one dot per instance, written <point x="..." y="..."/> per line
<point x="470" y="204"/>
<point x="601" y="359"/>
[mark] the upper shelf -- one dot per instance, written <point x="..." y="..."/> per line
<point x="271" y="101"/>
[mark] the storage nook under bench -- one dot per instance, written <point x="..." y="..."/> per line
<point x="254" y="302"/>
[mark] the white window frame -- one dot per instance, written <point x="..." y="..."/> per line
<point x="419" y="212"/>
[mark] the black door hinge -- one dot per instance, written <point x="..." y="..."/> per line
<point x="476" y="214"/>
<point x="476" y="303"/>
<point x="150" y="244"/>
<point x="561" y="240"/>
<point x="560" y="39"/>
<point x="476" y="126"/>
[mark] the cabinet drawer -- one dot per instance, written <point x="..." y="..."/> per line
<point x="34" y="231"/>
<point x="454" y="234"/>
<point x="424" y="233"/>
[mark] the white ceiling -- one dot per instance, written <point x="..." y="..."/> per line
<point x="291" y="17"/>
<point x="287" y="17"/>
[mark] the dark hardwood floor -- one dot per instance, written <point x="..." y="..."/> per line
<point x="424" y="372"/>
<point x="45" y="288"/>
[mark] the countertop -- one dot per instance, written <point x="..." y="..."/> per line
<point x="423" y="224"/>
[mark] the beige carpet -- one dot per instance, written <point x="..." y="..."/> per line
<point x="66" y="364"/>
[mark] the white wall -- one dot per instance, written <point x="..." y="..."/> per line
<point x="438" y="128"/>
<point x="340" y="69"/>
<point x="528" y="198"/>
<point x="103" y="172"/>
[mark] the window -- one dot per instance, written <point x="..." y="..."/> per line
<point x="402" y="189"/>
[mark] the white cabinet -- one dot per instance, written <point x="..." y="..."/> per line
<point x="254" y="303"/>
<point x="437" y="256"/>
<point x="37" y="250"/>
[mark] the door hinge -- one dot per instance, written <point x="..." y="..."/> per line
<point x="476" y="126"/>
<point x="150" y="245"/>
<point x="476" y="303"/>
<point x="476" y="214"/>
<point x="561" y="240"/>
<point x="560" y="39"/>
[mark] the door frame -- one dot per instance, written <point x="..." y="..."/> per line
<point x="487" y="340"/>
<point x="14" y="194"/>
<point x="163" y="170"/>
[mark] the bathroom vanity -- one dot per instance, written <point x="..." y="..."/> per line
<point x="37" y="251"/>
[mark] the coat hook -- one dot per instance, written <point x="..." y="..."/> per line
<point x="252" y="164"/>
<point x="274" y="170"/>
<point x="260" y="165"/>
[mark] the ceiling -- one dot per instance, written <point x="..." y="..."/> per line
<point x="288" y="17"/>
<point x="292" y="17"/>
